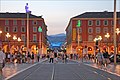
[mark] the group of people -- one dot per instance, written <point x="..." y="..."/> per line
<point x="53" y="57"/>
<point x="102" y="58"/>
<point x="17" y="57"/>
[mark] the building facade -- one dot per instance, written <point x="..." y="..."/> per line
<point x="16" y="25"/>
<point x="92" y="25"/>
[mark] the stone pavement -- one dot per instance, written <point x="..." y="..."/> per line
<point x="12" y="69"/>
<point x="63" y="71"/>
<point x="111" y="68"/>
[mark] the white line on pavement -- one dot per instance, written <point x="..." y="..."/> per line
<point x="52" y="78"/>
<point x="22" y="70"/>
<point x="103" y="70"/>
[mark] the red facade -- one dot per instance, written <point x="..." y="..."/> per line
<point x="88" y="32"/>
<point x="7" y="25"/>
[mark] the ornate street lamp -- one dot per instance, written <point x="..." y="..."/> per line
<point x="8" y="35"/>
<point x="14" y="38"/>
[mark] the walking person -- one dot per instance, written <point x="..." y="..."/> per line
<point x="2" y="62"/>
<point x="51" y="57"/>
<point x="28" y="57"/>
<point x="55" y="56"/>
<point x="38" y="56"/>
<point x="106" y="58"/>
<point x="32" y="57"/>
<point x="100" y="58"/>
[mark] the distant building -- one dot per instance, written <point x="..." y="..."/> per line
<point x="93" y="25"/>
<point x="16" y="25"/>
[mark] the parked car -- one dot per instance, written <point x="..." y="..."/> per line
<point x="117" y="58"/>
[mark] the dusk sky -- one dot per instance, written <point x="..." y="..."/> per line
<point x="57" y="13"/>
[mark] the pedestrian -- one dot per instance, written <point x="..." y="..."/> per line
<point x="51" y="57"/>
<point x="64" y="57"/>
<point x="106" y="58"/>
<point x="55" y="56"/>
<point x="2" y="62"/>
<point x="28" y="57"/>
<point x="100" y="58"/>
<point x="19" y="57"/>
<point x="9" y="57"/>
<point x="32" y="57"/>
<point x="38" y="56"/>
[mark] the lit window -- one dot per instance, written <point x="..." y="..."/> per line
<point x="34" y="29"/>
<point x="105" y="22"/>
<point x="14" y="29"/>
<point x="34" y="37"/>
<point x="105" y="29"/>
<point x="23" y="29"/>
<point x="90" y="30"/>
<point x="89" y="49"/>
<point x="90" y="22"/>
<point x="97" y="29"/>
<point x="97" y="22"/>
<point x="6" y="29"/>
<point x="23" y="37"/>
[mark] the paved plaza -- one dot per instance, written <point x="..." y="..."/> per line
<point x="72" y="70"/>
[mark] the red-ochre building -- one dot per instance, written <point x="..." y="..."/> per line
<point x="93" y="25"/>
<point x="16" y="25"/>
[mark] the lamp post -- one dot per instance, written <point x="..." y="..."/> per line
<point x="78" y="26"/>
<point x="40" y="38"/>
<point x="115" y="32"/>
<point x="28" y="12"/>
<point x="78" y="35"/>
<point x="8" y="35"/>
<point x="14" y="38"/>
<point x="107" y="36"/>
<point x="0" y="39"/>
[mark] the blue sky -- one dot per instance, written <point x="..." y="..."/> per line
<point x="57" y="13"/>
